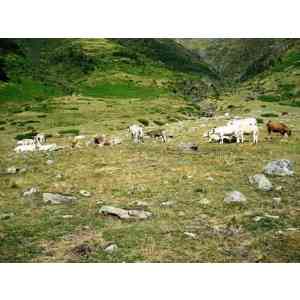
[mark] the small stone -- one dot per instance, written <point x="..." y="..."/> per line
<point x="204" y="201"/>
<point x="210" y="178"/>
<point x="30" y="192"/>
<point x="281" y="167"/>
<point x="12" y="170"/>
<point x="181" y="214"/>
<point x="111" y="248"/>
<point x="188" y="146"/>
<point x="278" y="188"/>
<point x="235" y="197"/>
<point x="261" y="182"/>
<point x="190" y="234"/>
<point x="168" y="203"/>
<point x="67" y="216"/>
<point x="85" y="193"/>
<point x="141" y="203"/>
<point x="54" y="198"/>
<point x="23" y="170"/>
<point x="50" y="162"/>
<point x="59" y="176"/>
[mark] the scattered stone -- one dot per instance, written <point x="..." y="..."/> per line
<point x="23" y="170"/>
<point x="12" y="170"/>
<point x="235" y="197"/>
<point x="54" y="198"/>
<point x="141" y="203"/>
<point x="59" y="176"/>
<point x="204" y="201"/>
<point x="124" y="214"/>
<point x="168" y="203"/>
<point x="6" y="216"/>
<point x="67" y="216"/>
<point x="210" y="178"/>
<point x="111" y="248"/>
<point x="50" y="162"/>
<point x="261" y="182"/>
<point x="258" y="218"/>
<point x="188" y="146"/>
<point x="278" y="188"/>
<point x="281" y="167"/>
<point x="181" y="214"/>
<point x="30" y="192"/>
<point x="85" y="193"/>
<point x="190" y="234"/>
<point x="277" y="200"/>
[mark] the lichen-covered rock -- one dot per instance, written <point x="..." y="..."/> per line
<point x="235" y="197"/>
<point x="282" y="167"/>
<point x="261" y="182"/>
<point x="124" y="213"/>
<point x="53" y="198"/>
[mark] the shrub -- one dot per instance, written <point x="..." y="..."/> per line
<point x="269" y="115"/>
<point x="26" y="135"/>
<point x="69" y="132"/>
<point x="260" y="121"/>
<point x="144" y="122"/>
<point x="159" y="123"/>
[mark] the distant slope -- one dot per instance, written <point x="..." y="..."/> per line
<point x="239" y="59"/>
<point x="44" y="68"/>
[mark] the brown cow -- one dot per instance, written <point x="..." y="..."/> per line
<point x="278" y="127"/>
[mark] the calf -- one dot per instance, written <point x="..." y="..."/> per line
<point x="137" y="133"/>
<point x="158" y="133"/>
<point x="278" y="127"/>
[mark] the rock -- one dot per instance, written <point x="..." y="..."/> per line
<point x="168" y="203"/>
<point x="12" y="170"/>
<point x="141" y="203"/>
<point x="235" y="197"/>
<point x="277" y="200"/>
<point x="278" y="188"/>
<point x="23" y="170"/>
<point x="281" y="167"/>
<point x="67" y="216"/>
<point x="85" y="193"/>
<point x="188" y="146"/>
<point x="190" y="234"/>
<point x="261" y="182"/>
<point x="111" y="248"/>
<point x="54" y="198"/>
<point x="210" y="178"/>
<point x="50" y="162"/>
<point x="59" y="176"/>
<point x="181" y="214"/>
<point x="30" y="192"/>
<point x="6" y="216"/>
<point x="204" y="201"/>
<point x="124" y="214"/>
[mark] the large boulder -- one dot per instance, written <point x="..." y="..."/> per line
<point x="53" y="198"/>
<point x="261" y="182"/>
<point x="124" y="213"/>
<point x="282" y="167"/>
<point x="235" y="197"/>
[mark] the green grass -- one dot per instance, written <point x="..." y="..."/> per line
<point x="121" y="90"/>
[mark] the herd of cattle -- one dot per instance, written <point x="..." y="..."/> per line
<point x="233" y="131"/>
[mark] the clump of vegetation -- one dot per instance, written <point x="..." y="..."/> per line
<point x="26" y="135"/>
<point x="2" y="128"/>
<point x="69" y="132"/>
<point x="260" y="120"/>
<point x="144" y="122"/>
<point x="159" y="122"/>
<point x="270" y="115"/>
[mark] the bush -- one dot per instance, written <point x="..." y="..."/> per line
<point x="269" y="115"/>
<point x="26" y="135"/>
<point x="159" y="123"/>
<point x="260" y="121"/>
<point x="69" y="132"/>
<point x="144" y="122"/>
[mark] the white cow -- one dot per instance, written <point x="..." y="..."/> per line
<point x="137" y="133"/>
<point x="40" y="138"/>
<point x="246" y="126"/>
<point x="26" y="142"/>
<point x="225" y="132"/>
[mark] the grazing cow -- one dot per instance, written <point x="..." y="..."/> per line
<point x="246" y="126"/>
<point x="137" y="133"/>
<point x="26" y="148"/>
<point x="225" y="133"/>
<point x="26" y="142"/>
<point x="278" y="127"/>
<point x="158" y="133"/>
